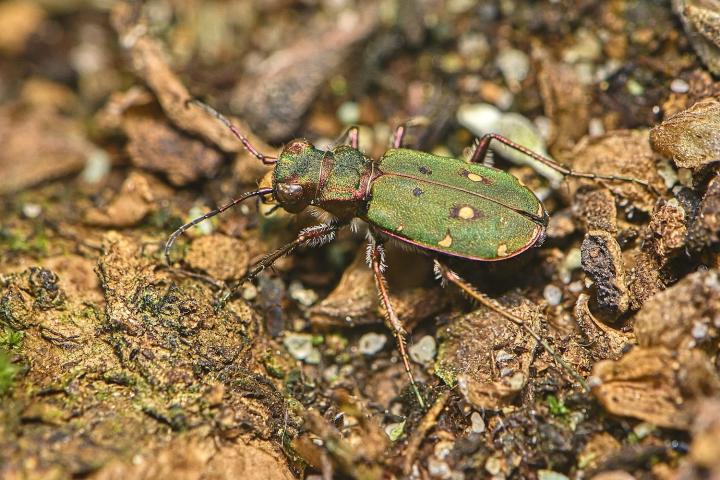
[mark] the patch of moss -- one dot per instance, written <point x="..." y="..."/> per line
<point x="556" y="406"/>
<point x="10" y="339"/>
<point x="273" y="367"/>
<point x="8" y="370"/>
<point x="36" y="243"/>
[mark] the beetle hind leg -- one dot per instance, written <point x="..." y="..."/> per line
<point x="350" y="137"/>
<point x="483" y="144"/>
<point x="445" y="274"/>
<point x="376" y="259"/>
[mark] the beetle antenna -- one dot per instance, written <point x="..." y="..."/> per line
<point x="266" y="159"/>
<point x="212" y="213"/>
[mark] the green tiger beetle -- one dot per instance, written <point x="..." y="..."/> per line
<point x="443" y="206"/>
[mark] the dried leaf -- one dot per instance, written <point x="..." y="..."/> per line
<point x="690" y="138"/>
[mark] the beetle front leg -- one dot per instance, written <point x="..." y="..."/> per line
<point x="484" y="143"/>
<point x="376" y="259"/>
<point x="308" y="237"/>
<point x="446" y="274"/>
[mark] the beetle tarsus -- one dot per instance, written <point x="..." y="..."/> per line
<point x="444" y="272"/>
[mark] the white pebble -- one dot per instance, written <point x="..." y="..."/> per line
<point x="423" y="351"/>
<point x="299" y="345"/>
<point x="679" y="86"/>
<point x="514" y="65"/>
<point x="371" y="343"/>
<point x="477" y="424"/>
<point x="553" y="295"/>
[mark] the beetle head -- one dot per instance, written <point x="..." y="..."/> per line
<point x="296" y="174"/>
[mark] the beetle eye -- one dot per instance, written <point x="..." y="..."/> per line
<point x="289" y="193"/>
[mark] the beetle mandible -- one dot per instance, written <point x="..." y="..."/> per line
<point x="444" y="206"/>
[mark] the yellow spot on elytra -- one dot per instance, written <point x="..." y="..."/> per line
<point x="399" y="228"/>
<point x="502" y="250"/>
<point x="447" y="241"/>
<point x="474" y="177"/>
<point x="466" y="213"/>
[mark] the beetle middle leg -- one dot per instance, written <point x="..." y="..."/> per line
<point x="309" y="237"/>
<point x="446" y="274"/>
<point x="376" y="259"/>
<point x="484" y="143"/>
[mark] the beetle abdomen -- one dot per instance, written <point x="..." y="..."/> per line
<point x="450" y="206"/>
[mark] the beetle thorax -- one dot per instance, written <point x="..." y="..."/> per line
<point x="337" y="180"/>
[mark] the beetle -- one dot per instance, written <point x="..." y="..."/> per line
<point x="443" y="206"/>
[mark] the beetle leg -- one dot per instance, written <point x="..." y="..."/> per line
<point x="484" y="143"/>
<point x="308" y="237"/>
<point x="399" y="135"/>
<point x="376" y="259"/>
<point x="444" y="273"/>
<point x="401" y="130"/>
<point x="350" y="137"/>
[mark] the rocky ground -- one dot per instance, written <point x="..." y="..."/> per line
<point x="116" y="365"/>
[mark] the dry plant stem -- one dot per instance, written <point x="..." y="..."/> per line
<point x="377" y="263"/>
<point x="486" y="301"/>
<point x="423" y="428"/>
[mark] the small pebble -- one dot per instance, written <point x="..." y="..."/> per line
<point x="679" y="86"/>
<point x="249" y="291"/>
<point x="97" y="166"/>
<point x="477" y="424"/>
<point x="443" y="448"/>
<point x="314" y="357"/>
<point x="642" y="430"/>
<point x="699" y="331"/>
<point x="303" y="296"/>
<point x="31" y="210"/>
<point x="551" y="475"/>
<point x="596" y="127"/>
<point x="395" y="430"/>
<point x="204" y="228"/>
<point x="349" y="113"/>
<point x="437" y="468"/>
<point x="493" y="465"/>
<point x="553" y="295"/>
<point x="503" y="356"/>
<point x="514" y="65"/>
<point x="634" y="87"/>
<point x="331" y="373"/>
<point x="299" y="345"/>
<point x="371" y="343"/>
<point x="576" y="287"/>
<point x="423" y="351"/>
